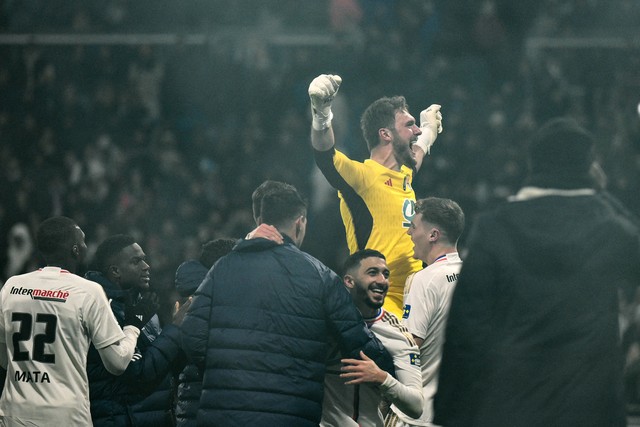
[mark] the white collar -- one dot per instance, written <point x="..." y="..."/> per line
<point x="527" y="193"/>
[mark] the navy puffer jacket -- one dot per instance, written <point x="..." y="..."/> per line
<point x="189" y="275"/>
<point x="143" y="394"/>
<point x="260" y="324"/>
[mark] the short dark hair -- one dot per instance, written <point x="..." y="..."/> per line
<point x="258" y="194"/>
<point x="56" y="235"/>
<point x="356" y="258"/>
<point x="282" y="206"/>
<point x="215" y="249"/>
<point x="108" y="249"/>
<point x="445" y="213"/>
<point x="380" y="114"/>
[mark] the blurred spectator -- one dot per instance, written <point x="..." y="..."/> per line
<point x="19" y="251"/>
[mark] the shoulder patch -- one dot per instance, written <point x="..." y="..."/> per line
<point x="406" y="311"/>
<point x="414" y="359"/>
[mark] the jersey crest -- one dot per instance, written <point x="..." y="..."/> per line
<point x="408" y="212"/>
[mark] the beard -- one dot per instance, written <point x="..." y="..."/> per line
<point x="374" y="304"/>
<point x="363" y="295"/>
<point x="403" y="153"/>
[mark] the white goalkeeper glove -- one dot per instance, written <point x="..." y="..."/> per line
<point x="322" y="91"/>
<point x="431" y="126"/>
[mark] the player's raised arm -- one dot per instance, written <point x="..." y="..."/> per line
<point x="322" y="91"/>
<point x="431" y="126"/>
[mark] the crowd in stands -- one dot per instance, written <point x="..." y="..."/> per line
<point x="167" y="141"/>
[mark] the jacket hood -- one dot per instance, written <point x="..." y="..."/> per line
<point x="189" y="275"/>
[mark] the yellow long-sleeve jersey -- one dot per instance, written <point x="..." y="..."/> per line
<point x="376" y="204"/>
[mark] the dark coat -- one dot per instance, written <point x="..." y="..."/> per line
<point x="260" y="324"/>
<point x="532" y="337"/>
<point x="189" y="275"/>
<point x="142" y="396"/>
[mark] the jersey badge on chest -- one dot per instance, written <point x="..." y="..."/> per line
<point x="406" y="184"/>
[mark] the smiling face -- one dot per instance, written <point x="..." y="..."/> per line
<point x="405" y="134"/>
<point x="368" y="284"/>
<point x="132" y="270"/>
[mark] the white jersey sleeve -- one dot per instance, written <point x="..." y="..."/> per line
<point x="405" y="392"/>
<point x="102" y="326"/>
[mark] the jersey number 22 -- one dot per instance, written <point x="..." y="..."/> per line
<point x="39" y="340"/>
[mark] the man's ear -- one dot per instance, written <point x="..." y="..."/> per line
<point x="349" y="281"/>
<point x="113" y="271"/>
<point x="385" y="135"/>
<point x="434" y="235"/>
<point x="75" y="251"/>
<point x="300" y="222"/>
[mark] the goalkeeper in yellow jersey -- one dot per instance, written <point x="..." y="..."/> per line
<point x="376" y="197"/>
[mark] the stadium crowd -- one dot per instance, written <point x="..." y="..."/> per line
<point x="167" y="141"/>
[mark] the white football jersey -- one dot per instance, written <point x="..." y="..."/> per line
<point x="359" y="405"/>
<point x="49" y="318"/>
<point x="426" y="308"/>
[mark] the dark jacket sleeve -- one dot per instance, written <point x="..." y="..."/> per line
<point x="350" y="330"/>
<point x="195" y="327"/>
<point x="157" y="360"/>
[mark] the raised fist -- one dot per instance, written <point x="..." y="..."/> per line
<point x="431" y="118"/>
<point x="322" y="91"/>
<point x="431" y="126"/>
